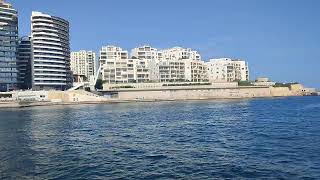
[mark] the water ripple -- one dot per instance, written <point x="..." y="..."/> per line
<point x="217" y="139"/>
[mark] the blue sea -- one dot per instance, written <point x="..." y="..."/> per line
<point x="275" y="138"/>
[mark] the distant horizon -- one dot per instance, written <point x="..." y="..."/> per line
<point x="272" y="37"/>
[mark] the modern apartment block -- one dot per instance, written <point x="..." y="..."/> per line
<point x="25" y="63"/>
<point x="241" y="69"/>
<point x="146" y="52"/>
<point x="83" y="64"/>
<point x="179" y="53"/>
<point x="227" y="70"/>
<point x="142" y="71"/>
<point x="195" y="70"/>
<point x="112" y="52"/>
<point x="51" y="52"/>
<point x="8" y="47"/>
<point x="125" y="71"/>
<point x="170" y="71"/>
<point x="170" y="65"/>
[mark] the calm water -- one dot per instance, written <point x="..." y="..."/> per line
<point x="259" y="138"/>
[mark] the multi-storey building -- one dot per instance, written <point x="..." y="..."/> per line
<point x="83" y="64"/>
<point x="8" y="47"/>
<point x="118" y="71"/>
<point x="25" y="63"/>
<point x="142" y="70"/>
<point x="195" y="70"/>
<point x="241" y="69"/>
<point x="125" y="71"/>
<point x="171" y="71"/>
<point x="51" y="52"/>
<point x="112" y="52"/>
<point x="146" y="52"/>
<point x="179" y="53"/>
<point x="171" y="65"/>
<point x="227" y="70"/>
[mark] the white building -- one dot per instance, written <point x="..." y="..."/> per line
<point x="112" y="52"/>
<point x="178" y="53"/>
<point x="51" y="52"/>
<point x="83" y="63"/>
<point x="227" y="70"/>
<point x="141" y="70"/>
<point x="125" y="71"/>
<point x="178" y="70"/>
<point x="171" y="71"/>
<point x="145" y="52"/>
<point x="195" y="70"/>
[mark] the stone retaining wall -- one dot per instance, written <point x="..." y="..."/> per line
<point x="180" y="94"/>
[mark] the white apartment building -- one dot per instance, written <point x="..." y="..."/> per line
<point x="227" y="70"/>
<point x="112" y="52"/>
<point x="241" y="69"/>
<point x="178" y="71"/>
<point x="142" y="70"/>
<point x="178" y="53"/>
<point x="171" y="65"/>
<point x="83" y="63"/>
<point x="195" y="70"/>
<point x="125" y="71"/>
<point x="51" y="52"/>
<point x="146" y="52"/>
<point x="170" y="71"/>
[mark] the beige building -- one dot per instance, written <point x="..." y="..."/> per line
<point x="83" y="63"/>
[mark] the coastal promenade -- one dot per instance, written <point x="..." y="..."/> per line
<point x="143" y="93"/>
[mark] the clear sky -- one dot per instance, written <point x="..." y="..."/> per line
<point x="279" y="38"/>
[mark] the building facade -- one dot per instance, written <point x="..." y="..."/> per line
<point x="8" y="47"/>
<point x="51" y="52"/>
<point x="25" y="63"/>
<point x="146" y="52"/>
<point x="118" y="71"/>
<point x="179" y="53"/>
<point x="112" y="52"/>
<point x="83" y="64"/>
<point x="195" y="70"/>
<point x="125" y="71"/>
<point x="170" y="65"/>
<point x="227" y="70"/>
<point x="171" y="71"/>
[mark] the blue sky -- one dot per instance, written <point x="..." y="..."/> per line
<point x="279" y="38"/>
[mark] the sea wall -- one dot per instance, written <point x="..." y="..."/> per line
<point x="73" y="96"/>
<point x="184" y="94"/>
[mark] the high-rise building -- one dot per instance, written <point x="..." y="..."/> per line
<point x="83" y="64"/>
<point x="51" y="52"/>
<point x="227" y="70"/>
<point x="8" y="47"/>
<point x="24" y="63"/>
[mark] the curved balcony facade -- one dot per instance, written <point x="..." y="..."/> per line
<point x="51" y="52"/>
